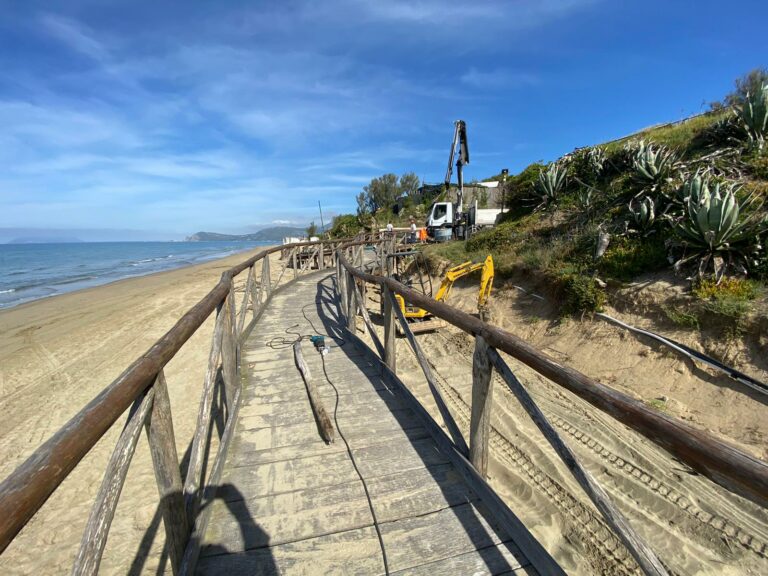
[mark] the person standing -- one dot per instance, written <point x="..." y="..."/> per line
<point x="413" y="239"/>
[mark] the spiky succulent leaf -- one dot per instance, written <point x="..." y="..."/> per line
<point x="753" y="117"/>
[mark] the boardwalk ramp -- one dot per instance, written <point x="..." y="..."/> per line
<point x="382" y="498"/>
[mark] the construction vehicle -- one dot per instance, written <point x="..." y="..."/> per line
<point x="445" y="218"/>
<point x="421" y="320"/>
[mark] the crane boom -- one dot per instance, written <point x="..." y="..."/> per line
<point x="460" y="142"/>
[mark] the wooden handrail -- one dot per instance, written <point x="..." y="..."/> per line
<point x="27" y="488"/>
<point x="720" y="462"/>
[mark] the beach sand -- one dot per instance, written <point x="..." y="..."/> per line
<point x="56" y="354"/>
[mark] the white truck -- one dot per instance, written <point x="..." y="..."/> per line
<point x="442" y="221"/>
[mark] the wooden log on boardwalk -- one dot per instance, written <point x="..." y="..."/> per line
<point x="324" y="424"/>
<point x="390" y="331"/>
<point x="643" y="553"/>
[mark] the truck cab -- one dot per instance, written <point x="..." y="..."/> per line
<point x="440" y="216"/>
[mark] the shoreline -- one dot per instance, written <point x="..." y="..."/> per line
<point x="97" y="282"/>
<point x="56" y="355"/>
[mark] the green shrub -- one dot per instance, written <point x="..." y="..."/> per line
<point x="728" y="288"/>
<point x="627" y="257"/>
<point x="581" y="294"/>
<point x="681" y="317"/>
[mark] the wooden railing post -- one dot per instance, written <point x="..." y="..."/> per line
<point x="482" y="401"/>
<point x="229" y="354"/>
<point x="255" y="293"/>
<point x="165" y="461"/>
<point x="244" y="306"/>
<point x="390" y="333"/>
<point x="293" y="261"/>
<point x="321" y="257"/>
<point x="351" y="304"/>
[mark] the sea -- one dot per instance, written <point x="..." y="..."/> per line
<point x="33" y="271"/>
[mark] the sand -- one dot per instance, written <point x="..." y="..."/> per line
<point x="56" y="354"/>
<point x="695" y="526"/>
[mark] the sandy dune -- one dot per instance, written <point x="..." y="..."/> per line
<point x="55" y="356"/>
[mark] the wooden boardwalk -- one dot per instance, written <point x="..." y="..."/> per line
<point x="288" y="503"/>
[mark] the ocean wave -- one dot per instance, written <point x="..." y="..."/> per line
<point x="8" y="291"/>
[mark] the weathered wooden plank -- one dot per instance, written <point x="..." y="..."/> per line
<point x="287" y="414"/>
<point x="306" y="431"/>
<point x="351" y="307"/>
<point x="643" y="553"/>
<point x="245" y="453"/>
<point x="450" y="423"/>
<point x="415" y="541"/>
<point x="482" y="403"/>
<point x="97" y="529"/>
<point x="351" y="552"/>
<point x="286" y="517"/>
<point x="324" y="424"/>
<point x="165" y="461"/>
<point x="372" y="398"/>
<point x="269" y="394"/>
<point x="504" y="558"/>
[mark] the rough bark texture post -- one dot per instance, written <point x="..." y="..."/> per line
<point x="266" y="276"/>
<point x="390" y="332"/>
<point x="96" y="531"/>
<point x="255" y="292"/>
<point x="367" y="320"/>
<point x="324" y="424"/>
<point x="321" y="257"/>
<point x="229" y="352"/>
<point x="482" y="401"/>
<point x="165" y="461"/>
<point x="644" y="555"/>
<point x="244" y="304"/>
<point x="351" y="307"/>
<point x="293" y="260"/>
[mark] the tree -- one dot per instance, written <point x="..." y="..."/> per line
<point x="409" y="184"/>
<point x="752" y="82"/>
<point x="380" y="193"/>
<point x="362" y="204"/>
<point x="311" y="229"/>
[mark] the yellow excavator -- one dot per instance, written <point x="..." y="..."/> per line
<point x="421" y="320"/>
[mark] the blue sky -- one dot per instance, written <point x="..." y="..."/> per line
<point x="228" y="116"/>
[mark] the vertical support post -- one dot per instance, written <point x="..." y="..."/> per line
<point x="482" y="401"/>
<point x="390" y="334"/>
<point x="266" y="279"/>
<point x="255" y="293"/>
<point x="321" y="257"/>
<point x="351" y="303"/>
<point x="293" y="260"/>
<point x="229" y="355"/>
<point x="165" y="461"/>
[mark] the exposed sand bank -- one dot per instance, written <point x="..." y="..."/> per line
<point x="56" y="354"/>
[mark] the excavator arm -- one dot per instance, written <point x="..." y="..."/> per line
<point x="486" y="280"/>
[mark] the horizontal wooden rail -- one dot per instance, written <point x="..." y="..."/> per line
<point x="26" y="489"/>
<point x="720" y="462"/>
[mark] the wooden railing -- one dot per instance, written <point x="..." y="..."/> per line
<point x="724" y="464"/>
<point x="142" y="390"/>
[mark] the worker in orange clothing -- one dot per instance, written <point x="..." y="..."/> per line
<point x="423" y="235"/>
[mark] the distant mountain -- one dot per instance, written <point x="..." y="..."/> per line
<point x="274" y="234"/>
<point x="44" y="240"/>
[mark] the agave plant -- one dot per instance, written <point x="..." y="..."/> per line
<point x="716" y="228"/>
<point x="596" y="158"/>
<point x="584" y="198"/>
<point x="550" y="184"/>
<point x="644" y="215"/>
<point x="653" y="164"/>
<point x="753" y="117"/>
